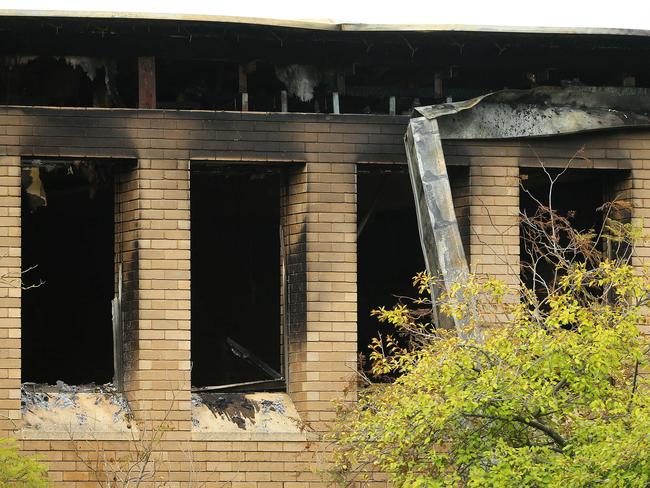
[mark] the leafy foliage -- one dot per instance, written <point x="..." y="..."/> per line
<point x="17" y="470"/>
<point x="549" y="395"/>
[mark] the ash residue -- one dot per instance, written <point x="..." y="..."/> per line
<point x="42" y="397"/>
<point x="248" y="412"/>
<point x="116" y="398"/>
<point x="273" y="406"/>
<point x="30" y="398"/>
<point x="234" y="406"/>
<point x="34" y="396"/>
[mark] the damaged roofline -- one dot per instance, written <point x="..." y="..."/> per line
<point x="540" y="112"/>
<point x="323" y="25"/>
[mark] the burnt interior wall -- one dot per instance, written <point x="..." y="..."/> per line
<point x="66" y="321"/>
<point x="235" y="218"/>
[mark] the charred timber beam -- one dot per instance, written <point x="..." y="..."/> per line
<point x="146" y="82"/>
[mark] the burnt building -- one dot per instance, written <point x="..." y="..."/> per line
<point x="197" y="216"/>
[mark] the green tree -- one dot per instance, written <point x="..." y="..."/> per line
<point x="550" y="395"/>
<point x="17" y="470"/>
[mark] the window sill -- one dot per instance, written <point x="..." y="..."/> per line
<point x="245" y="416"/>
<point x="254" y="436"/>
<point x="40" y="435"/>
<point x="74" y="413"/>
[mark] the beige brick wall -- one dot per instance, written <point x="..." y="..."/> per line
<point x="494" y="221"/>
<point x="157" y="346"/>
<point x="320" y="209"/>
<point x="10" y="292"/>
<point x="319" y="217"/>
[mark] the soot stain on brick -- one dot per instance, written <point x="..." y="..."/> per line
<point x="76" y="139"/>
<point x="297" y="268"/>
<point x="130" y="311"/>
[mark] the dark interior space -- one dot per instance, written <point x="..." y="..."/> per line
<point x="235" y="219"/>
<point x="199" y="84"/>
<point x="389" y="253"/>
<point x="70" y="81"/>
<point x="66" y="321"/>
<point x="577" y="194"/>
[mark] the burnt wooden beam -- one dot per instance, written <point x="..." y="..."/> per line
<point x="243" y="71"/>
<point x="284" y="101"/>
<point x="437" y="86"/>
<point x="146" y="82"/>
<point x="391" y="106"/>
<point x="243" y="79"/>
<point x="340" y="83"/>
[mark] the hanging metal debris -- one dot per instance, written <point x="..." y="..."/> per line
<point x="442" y="246"/>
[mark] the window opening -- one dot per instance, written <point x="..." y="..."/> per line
<point x="67" y="243"/>
<point x="236" y="278"/>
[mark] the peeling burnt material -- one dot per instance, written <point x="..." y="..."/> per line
<point x="33" y="187"/>
<point x="542" y="111"/>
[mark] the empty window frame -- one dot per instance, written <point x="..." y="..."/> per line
<point x="389" y="253"/>
<point x="236" y="277"/>
<point x="67" y="244"/>
<point x="577" y="194"/>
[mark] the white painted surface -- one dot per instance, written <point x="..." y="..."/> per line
<point x="554" y="14"/>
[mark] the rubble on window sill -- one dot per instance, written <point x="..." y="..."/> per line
<point x="74" y="409"/>
<point x="268" y="412"/>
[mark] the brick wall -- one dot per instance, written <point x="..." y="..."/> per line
<point x="494" y="221"/>
<point x="157" y="366"/>
<point x="319" y="222"/>
<point x="10" y="292"/>
<point x="319" y="214"/>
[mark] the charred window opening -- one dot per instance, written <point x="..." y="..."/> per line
<point x="389" y="253"/>
<point x="236" y="323"/>
<point x="67" y="242"/>
<point x="577" y="194"/>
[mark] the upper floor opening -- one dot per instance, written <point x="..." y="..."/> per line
<point x="137" y="63"/>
